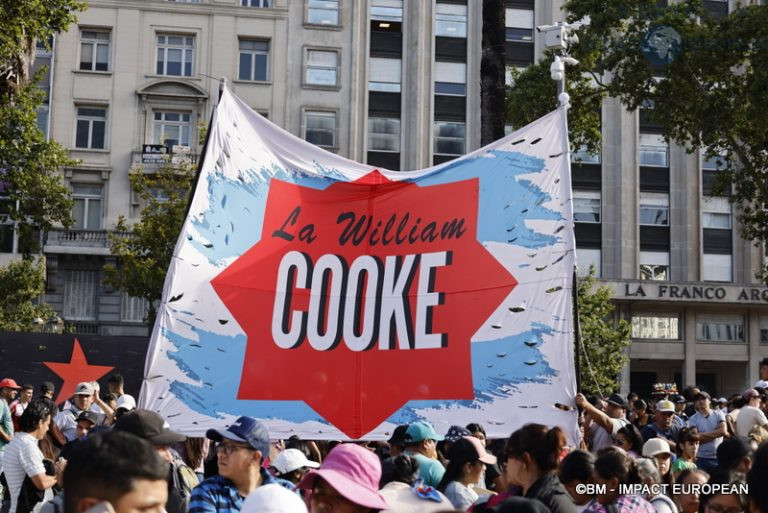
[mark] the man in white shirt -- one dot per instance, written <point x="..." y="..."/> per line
<point x="23" y="457"/>
<point x="85" y="397"/>
<point x="608" y="422"/>
<point x="750" y="415"/>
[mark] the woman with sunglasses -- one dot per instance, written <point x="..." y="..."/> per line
<point x="629" y="439"/>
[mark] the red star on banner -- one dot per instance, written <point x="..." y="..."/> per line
<point x="403" y="230"/>
<point x="75" y="371"/>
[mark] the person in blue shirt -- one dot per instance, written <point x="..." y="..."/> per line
<point x="241" y="449"/>
<point x="421" y="443"/>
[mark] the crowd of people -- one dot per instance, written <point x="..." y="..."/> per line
<point x="667" y="453"/>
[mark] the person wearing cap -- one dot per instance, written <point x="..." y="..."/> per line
<point x="663" y="425"/>
<point x="8" y="389"/>
<point x="346" y="482"/>
<point x="17" y="407"/>
<point x="47" y="389"/>
<point x="125" y="403"/>
<point x="84" y="398"/>
<point x="273" y="498"/>
<point x="402" y="489"/>
<point x="750" y="414"/>
<point x="292" y="464"/>
<point x="608" y="422"/>
<point x="712" y="428"/>
<point x="421" y="443"/>
<point x="152" y="427"/>
<point x="680" y="416"/>
<point x="397" y="440"/>
<point x="658" y="449"/>
<point x="466" y="464"/>
<point x="85" y="421"/>
<point x="241" y="449"/>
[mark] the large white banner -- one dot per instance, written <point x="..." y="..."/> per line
<point x="334" y="300"/>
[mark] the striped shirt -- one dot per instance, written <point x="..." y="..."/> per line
<point x="622" y="504"/>
<point x="22" y="458"/>
<point x="219" y="495"/>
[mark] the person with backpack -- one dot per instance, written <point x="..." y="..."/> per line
<point x="152" y="427"/>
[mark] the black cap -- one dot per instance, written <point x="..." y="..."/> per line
<point x="90" y="416"/>
<point x="148" y="425"/>
<point x="618" y="400"/>
<point x="47" y="386"/>
<point x="677" y="399"/>
<point x="702" y="393"/>
<point x="731" y="451"/>
<point x="398" y="435"/>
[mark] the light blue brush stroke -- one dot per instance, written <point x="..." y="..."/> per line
<point x="506" y="201"/>
<point x="212" y="358"/>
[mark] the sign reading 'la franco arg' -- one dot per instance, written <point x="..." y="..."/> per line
<point x="689" y="292"/>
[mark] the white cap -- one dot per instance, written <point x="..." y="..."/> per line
<point x="273" y="498"/>
<point x="761" y="384"/>
<point x="655" y="446"/>
<point x="292" y="459"/>
<point x="126" y="402"/>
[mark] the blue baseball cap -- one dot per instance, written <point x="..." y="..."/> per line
<point x="419" y="431"/>
<point x="244" y="429"/>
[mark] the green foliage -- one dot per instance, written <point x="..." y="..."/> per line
<point x="144" y="255"/>
<point x="21" y="283"/>
<point x="713" y="95"/>
<point x="30" y="165"/>
<point x="603" y="341"/>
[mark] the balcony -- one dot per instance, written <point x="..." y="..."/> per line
<point x="78" y="242"/>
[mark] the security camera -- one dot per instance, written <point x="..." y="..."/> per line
<point x="557" y="69"/>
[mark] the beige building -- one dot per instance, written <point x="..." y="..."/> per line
<point x="394" y="83"/>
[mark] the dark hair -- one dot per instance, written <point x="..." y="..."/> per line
<point x="461" y="452"/>
<point x="402" y="468"/>
<point x="737" y="401"/>
<point x="613" y="462"/>
<point x="690" y="471"/>
<point x="640" y="405"/>
<point x="577" y="466"/>
<point x="632" y="434"/>
<point x="542" y="444"/>
<point x="735" y="480"/>
<point x="109" y="397"/>
<point x="686" y="434"/>
<point x="294" y="442"/>
<point x="105" y="465"/>
<point x="193" y="451"/>
<point x="38" y="410"/>
<point x="757" y="477"/>
<point x="27" y="386"/>
<point x="476" y="428"/>
<point x="117" y="379"/>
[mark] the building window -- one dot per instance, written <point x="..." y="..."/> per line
<point x="582" y="156"/>
<point x="175" y="55"/>
<point x="653" y="150"/>
<point x="322" y="68"/>
<point x="450" y="20"/>
<point x="255" y="3"/>
<point x="656" y="326"/>
<point x="133" y="309"/>
<point x="717" y="162"/>
<point x="449" y="138"/>
<point x="323" y="12"/>
<point x="654" y="265"/>
<point x="320" y="128"/>
<point x="586" y="258"/>
<point x="716" y="213"/>
<point x="387" y="10"/>
<point x="384" y="75"/>
<point x="171" y="128"/>
<point x="254" y="60"/>
<point x="86" y="206"/>
<point x="716" y="267"/>
<point x="91" y="127"/>
<point x="80" y="289"/>
<point x="7" y="226"/>
<point x="763" y="329"/>
<point x="384" y="134"/>
<point x="720" y="328"/>
<point x="519" y="24"/>
<point x="654" y="208"/>
<point x="451" y="78"/>
<point x="586" y="206"/>
<point x="94" y="50"/>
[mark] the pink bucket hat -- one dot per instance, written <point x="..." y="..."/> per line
<point x="354" y="472"/>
